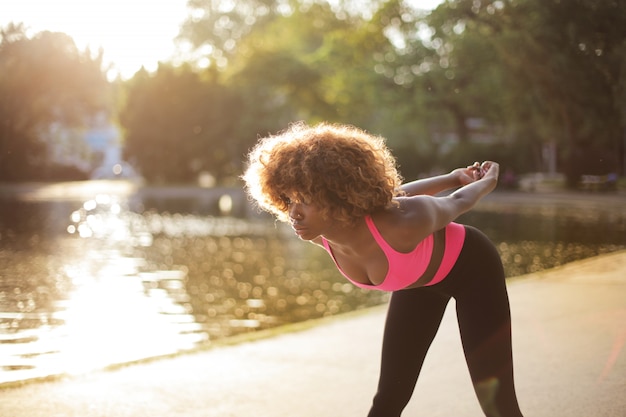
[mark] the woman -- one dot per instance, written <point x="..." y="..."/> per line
<point x="338" y="187"/>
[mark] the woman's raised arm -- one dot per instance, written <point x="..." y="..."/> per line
<point x="437" y="212"/>
<point x="439" y="183"/>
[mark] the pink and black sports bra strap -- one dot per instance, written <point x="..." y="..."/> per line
<point x="439" y="247"/>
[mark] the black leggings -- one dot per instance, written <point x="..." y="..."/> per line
<point x="477" y="284"/>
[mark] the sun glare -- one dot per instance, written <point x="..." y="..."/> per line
<point x="132" y="33"/>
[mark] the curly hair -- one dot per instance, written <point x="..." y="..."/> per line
<point x="345" y="171"/>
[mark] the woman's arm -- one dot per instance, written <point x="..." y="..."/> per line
<point x="435" y="213"/>
<point x="437" y="184"/>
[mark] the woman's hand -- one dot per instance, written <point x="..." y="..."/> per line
<point x="476" y="172"/>
<point x="459" y="177"/>
<point x="489" y="169"/>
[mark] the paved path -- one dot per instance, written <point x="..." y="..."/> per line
<point x="569" y="329"/>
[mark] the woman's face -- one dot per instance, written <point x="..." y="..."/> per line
<point x="306" y="219"/>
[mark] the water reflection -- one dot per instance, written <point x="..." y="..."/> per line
<point x="113" y="285"/>
<point x="547" y="237"/>
<point x="109" y="280"/>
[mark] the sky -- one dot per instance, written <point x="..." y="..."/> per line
<point x="132" y="33"/>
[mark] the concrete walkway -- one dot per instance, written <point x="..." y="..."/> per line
<point x="569" y="329"/>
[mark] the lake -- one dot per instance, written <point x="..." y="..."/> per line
<point x="97" y="278"/>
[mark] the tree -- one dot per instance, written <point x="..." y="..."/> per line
<point x="424" y="82"/>
<point x="179" y="123"/>
<point x="564" y="71"/>
<point x="278" y="70"/>
<point x="215" y="28"/>
<point x="45" y="81"/>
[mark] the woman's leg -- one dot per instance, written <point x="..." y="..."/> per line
<point x="483" y="313"/>
<point x="412" y="321"/>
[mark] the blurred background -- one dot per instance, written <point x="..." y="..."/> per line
<point x="124" y="124"/>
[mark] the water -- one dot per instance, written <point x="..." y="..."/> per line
<point x="86" y="283"/>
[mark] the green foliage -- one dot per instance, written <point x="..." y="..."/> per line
<point x="46" y="83"/>
<point x="310" y="65"/>
<point x="178" y="124"/>
<point x="527" y="72"/>
<point x="563" y="67"/>
<point x="216" y="27"/>
<point x="471" y="80"/>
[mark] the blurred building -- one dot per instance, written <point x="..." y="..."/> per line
<point x="104" y="142"/>
<point x="96" y="151"/>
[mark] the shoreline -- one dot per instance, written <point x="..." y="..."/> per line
<point x="42" y="191"/>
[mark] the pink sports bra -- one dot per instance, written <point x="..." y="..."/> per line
<point x="430" y="261"/>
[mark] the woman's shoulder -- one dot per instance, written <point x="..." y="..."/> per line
<point x="406" y="211"/>
<point x="401" y="225"/>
